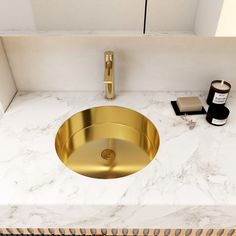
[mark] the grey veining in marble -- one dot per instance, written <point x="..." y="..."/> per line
<point x="190" y="183"/>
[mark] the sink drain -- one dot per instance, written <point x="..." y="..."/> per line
<point x="108" y="154"/>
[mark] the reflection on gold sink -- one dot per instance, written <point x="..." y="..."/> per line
<point x="107" y="142"/>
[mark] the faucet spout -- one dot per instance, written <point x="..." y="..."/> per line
<point x="109" y="75"/>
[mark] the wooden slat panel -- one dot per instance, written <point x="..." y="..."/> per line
<point x="120" y="232"/>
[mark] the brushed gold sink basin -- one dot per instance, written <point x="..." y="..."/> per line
<point x="107" y="142"/>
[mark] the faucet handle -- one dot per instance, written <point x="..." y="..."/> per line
<point x="108" y="56"/>
<point x="109" y="74"/>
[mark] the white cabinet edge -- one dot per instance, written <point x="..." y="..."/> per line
<point x="7" y="83"/>
<point x="170" y="33"/>
<point x="68" y="33"/>
<point x="1" y="111"/>
<point x="97" y="33"/>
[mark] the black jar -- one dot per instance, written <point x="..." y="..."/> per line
<point x="218" y="92"/>
<point x="217" y="115"/>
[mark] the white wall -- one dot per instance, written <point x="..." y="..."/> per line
<point x="7" y="85"/>
<point x="227" y="21"/>
<point x="141" y="63"/>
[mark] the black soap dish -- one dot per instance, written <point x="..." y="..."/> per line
<point x="179" y="113"/>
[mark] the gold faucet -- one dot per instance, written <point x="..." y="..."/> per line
<point x="109" y="75"/>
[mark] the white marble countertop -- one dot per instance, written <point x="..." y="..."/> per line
<point x="190" y="184"/>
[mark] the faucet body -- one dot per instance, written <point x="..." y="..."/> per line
<point x="109" y="75"/>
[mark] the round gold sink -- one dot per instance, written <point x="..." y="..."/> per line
<point x="107" y="142"/>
